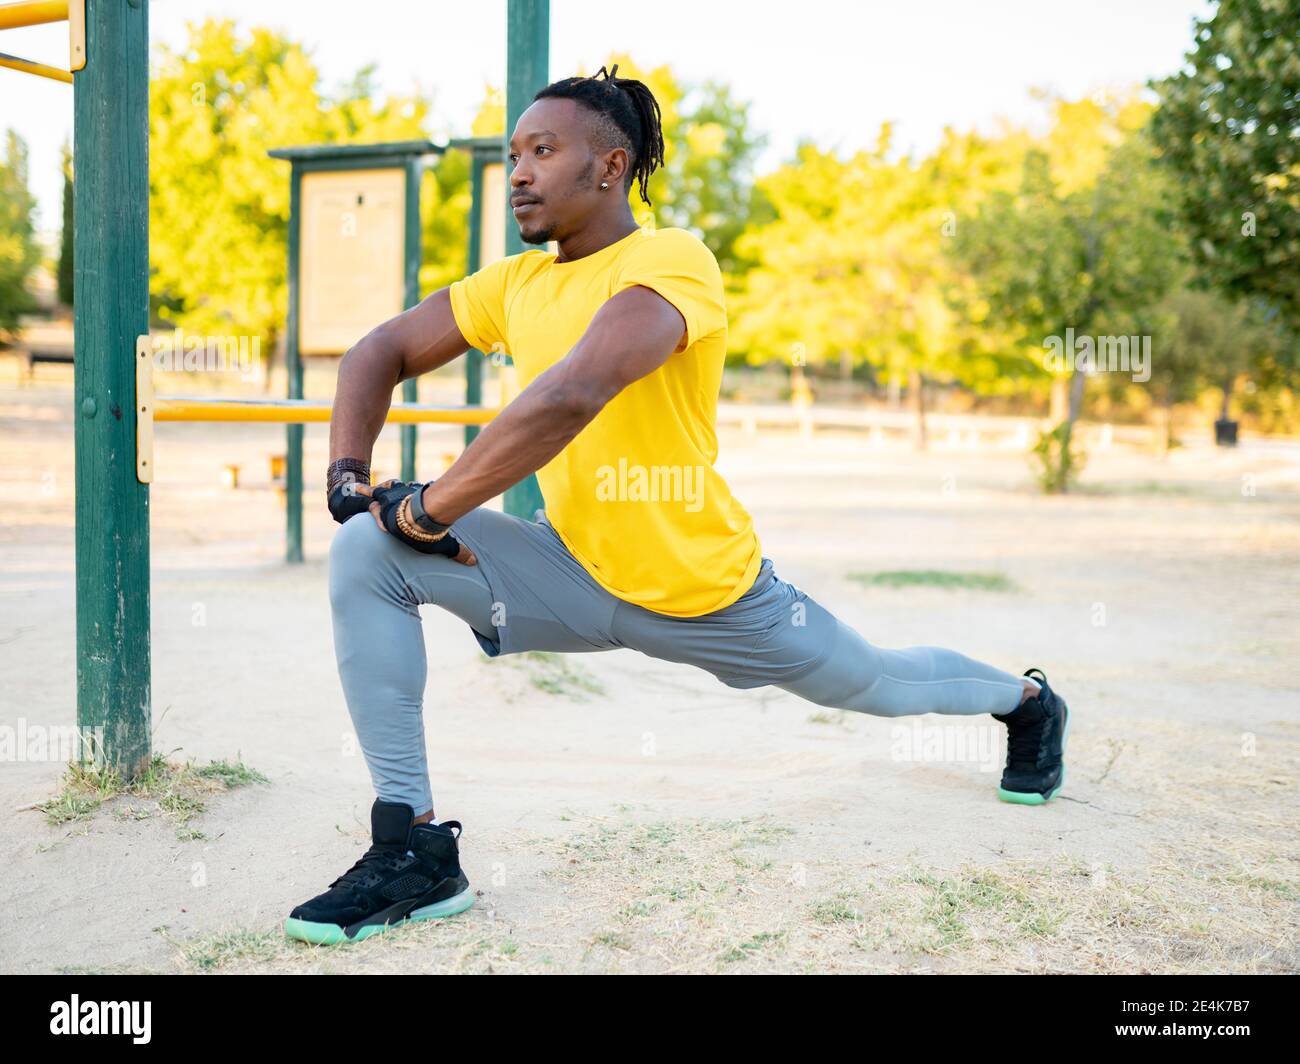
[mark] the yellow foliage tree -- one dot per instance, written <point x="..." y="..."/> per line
<point x="218" y="205"/>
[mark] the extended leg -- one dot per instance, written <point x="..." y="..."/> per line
<point x="892" y="683"/>
<point x="776" y="635"/>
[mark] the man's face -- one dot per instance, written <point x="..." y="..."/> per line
<point x="553" y="184"/>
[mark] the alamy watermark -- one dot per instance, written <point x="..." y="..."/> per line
<point x="1103" y="354"/>
<point x="76" y="1017"/>
<point x="51" y="742"/>
<point x="983" y="745"/>
<point x="178" y="352"/>
<point x="657" y="483"/>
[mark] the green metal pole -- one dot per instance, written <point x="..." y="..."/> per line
<point x="410" y="389"/>
<point x="528" y="40"/>
<point x="293" y="370"/>
<point x="111" y="279"/>
<point x="474" y="261"/>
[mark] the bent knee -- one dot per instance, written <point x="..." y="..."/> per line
<point x="357" y="538"/>
<point x="359" y="551"/>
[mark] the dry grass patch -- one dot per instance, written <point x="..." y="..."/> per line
<point x="176" y="791"/>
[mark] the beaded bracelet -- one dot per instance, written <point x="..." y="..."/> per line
<point x="408" y="527"/>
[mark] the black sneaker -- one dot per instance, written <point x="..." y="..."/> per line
<point x="411" y="872"/>
<point x="1036" y="731"/>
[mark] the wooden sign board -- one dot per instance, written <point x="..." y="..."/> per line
<point x="351" y="254"/>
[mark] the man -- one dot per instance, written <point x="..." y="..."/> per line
<point x="619" y="340"/>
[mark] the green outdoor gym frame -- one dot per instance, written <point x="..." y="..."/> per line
<point x="111" y="278"/>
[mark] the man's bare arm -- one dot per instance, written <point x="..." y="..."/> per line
<point x="631" y="335"/>
<point x="416" y="341"/>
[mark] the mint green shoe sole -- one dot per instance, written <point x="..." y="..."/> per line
<point x="333" y="935"/>
<point x="1033" y="797"/>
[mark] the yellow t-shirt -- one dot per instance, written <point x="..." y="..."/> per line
<point x="634" y="496"/>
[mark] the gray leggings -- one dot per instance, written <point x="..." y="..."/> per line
<point x="527" y="592"/>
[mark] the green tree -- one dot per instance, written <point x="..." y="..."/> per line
<point x="445" y="205"/>
<point x="66" y="238"/>
<point x="1210" y="342"/>
<point x="19" y="252"/>
<point x="1090" y="252"/>
<point x="810" y="291"/>
<point x="1202" y="343"/>
<point x="1269" y="394"/>
<point x="851" y="269"/>
<point x="711" y="175"/>
<point x="1228" y="129"/>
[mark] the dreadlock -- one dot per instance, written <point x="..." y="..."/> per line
<point x="627" y="117"/>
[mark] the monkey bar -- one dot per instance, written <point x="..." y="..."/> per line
<point x="151" y="408"/>
<point x="39" y="13"/>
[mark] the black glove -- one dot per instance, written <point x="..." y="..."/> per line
<point x="389" y="496"/>
<point x="345" y="501"/>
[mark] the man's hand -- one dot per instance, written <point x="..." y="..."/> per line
<point x="387" y="497"/>
<point x="345" y="501"/>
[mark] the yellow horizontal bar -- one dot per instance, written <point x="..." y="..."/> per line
<point x="40" y="69"/>
<point x="77" y="35"/>
<point x="32" y="13"/>
<point x="302" y="411"/>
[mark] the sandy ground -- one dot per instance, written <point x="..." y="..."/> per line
<point x="624" y="814"/>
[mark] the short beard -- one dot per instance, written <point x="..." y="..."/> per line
<point x="542" y="236"/>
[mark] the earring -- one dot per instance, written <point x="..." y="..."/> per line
<point x="604" y="184"/>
